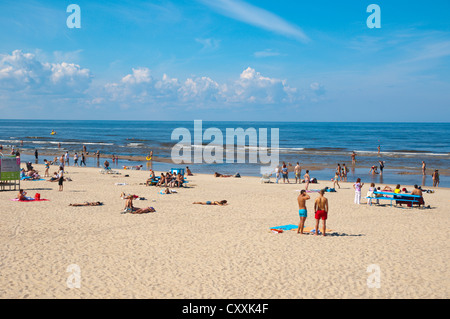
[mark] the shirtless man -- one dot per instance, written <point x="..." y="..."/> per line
<point x="424" y="167"/>
<point x="417" y="191"/>
<point x="321" y="209"/>
<point x="302" y="198"/>
<point x="436" y="178"/>
<point x="298" y="173"/>
<point x="353" y="158"/>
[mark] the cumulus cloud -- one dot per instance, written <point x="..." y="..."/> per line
<point x="250" y="87"/>
<point x="21" y="71"/>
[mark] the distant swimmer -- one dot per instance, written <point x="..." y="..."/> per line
<point x="53" y="132"/>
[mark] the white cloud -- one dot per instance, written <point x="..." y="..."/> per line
<point x="23" y="72"/>
<point x="250" y="87"/>
<point x="250" y="14"/>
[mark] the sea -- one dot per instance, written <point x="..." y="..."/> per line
<point x="318" y="147"/>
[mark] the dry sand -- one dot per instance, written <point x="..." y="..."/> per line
<point x="192" y="251"/>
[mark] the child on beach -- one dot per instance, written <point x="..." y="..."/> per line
<point x="336" y="180"/>
<point x="47" y="166"/>
<point x="358" y="186"/>
<point x="370" y="194"/>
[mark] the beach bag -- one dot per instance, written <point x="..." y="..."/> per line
<point x="277" y="231"/>
<point x="37" y="196"/>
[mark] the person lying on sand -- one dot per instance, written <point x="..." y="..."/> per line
<point x="168" y="191"/>
<point x="22" y="195"/>
<point x="143" y="210"/>
<point x="387" y="189"/>
<point x="221" y="175"/>
<point x="221" y="203"/>
<point x="87" y="204"/>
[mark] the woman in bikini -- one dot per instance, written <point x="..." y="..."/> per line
<point x="219" y="203"/>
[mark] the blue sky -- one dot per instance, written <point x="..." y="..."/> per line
<point x="225" y="60"/>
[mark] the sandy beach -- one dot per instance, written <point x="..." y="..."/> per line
<point x="192" y="251"/>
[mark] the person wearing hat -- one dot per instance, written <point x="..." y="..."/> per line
<point x="436" y="178"/>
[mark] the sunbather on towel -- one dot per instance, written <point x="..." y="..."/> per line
<point x="22" y="195"/>
<point x="143" y="210"/>
<point x="219" y="203"/>
<point x="221" y="175"/>
<point x="87" y="204"/>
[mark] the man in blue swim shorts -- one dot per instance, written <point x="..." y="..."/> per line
<point x="302" y="198"/>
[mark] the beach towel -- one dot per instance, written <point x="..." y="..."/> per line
<point x="30" y="179"/>
<point x="286" y="227"/>
<point x="30" y="200"/>
<point x="311" y="230"/>
<point x="313" y="190"/>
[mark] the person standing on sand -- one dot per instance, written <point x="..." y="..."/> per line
<point x="338" y="171"/>
<point x="303" y="213"/>
<point x="321" y="209"/>
<point x="277" y="173"/>
<point x="298" y="173"/>
<point x="284" y="173"/>
<point x="75" y="159"/>
<point x="67" y="158"/>
<point x="47" y="167"/>
<point x="424" y="168"/>
<point x="61" y="161"/>
<point x="61" y="178"/>
<point x="83" y="160"/>
<point x="358" y="186"/>
<point x="36" y="155"/>
<point x="307" y="179"/>
<point x="435" y="178"/>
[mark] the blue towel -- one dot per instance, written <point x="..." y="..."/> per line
<point x="285" y="227"/>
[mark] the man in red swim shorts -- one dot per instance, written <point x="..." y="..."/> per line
<point x="321" y="209"/>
